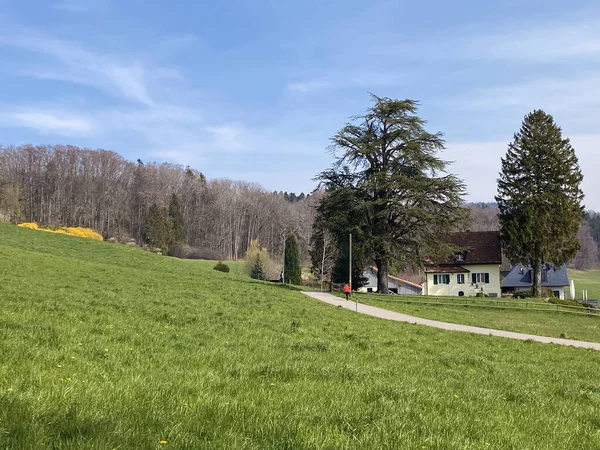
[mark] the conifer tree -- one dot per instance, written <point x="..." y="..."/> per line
<point x="178" y="232"/>
<point x="159" y="228"/>
<point x="258" y="271"/>
<point x="293" y="269"/>
<point x="390" y="188"/>
<point x="539" y="197"/>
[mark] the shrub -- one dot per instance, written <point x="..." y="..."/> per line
<point x="30" y="225"/>
<point x="258" y="264"/>
<point x="523" y="294"/>
<point x="481" y="294"/>
<point x="558" y="301"/>
<point x="221" y="267"/>
<point x="87" y="233"/>
<point x="203" y="253"/>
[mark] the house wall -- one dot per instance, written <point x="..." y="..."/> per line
<point x="469" y="289"/>
<point x="402" y="289"/>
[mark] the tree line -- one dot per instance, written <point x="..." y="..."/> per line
<point x="71" y="186"/>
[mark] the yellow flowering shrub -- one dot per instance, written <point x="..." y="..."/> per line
<point x="31" y="226"/>
<point x="87" y="233"/>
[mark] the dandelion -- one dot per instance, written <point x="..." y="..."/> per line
<point x="59" y="366"/>
<point x="163" y="442"/>
<point x="72" y="357"/>
<point x="10" y="389"/>
<point x="105" y="350"/>
<point x="455" y="396"/>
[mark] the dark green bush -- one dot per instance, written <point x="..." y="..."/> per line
<point x="481" y="294"/>
<point x="523" y="294"/>
<point x="221" y="267"/>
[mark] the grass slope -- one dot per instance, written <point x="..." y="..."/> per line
<point x="571" y="326"/>
<point x="108" y="347"/>
<point x="586" y="279"/>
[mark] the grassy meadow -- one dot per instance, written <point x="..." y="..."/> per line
<point x="553" y="324"/>
<point x="589" y="280"/>
<point x="108" y="347"/>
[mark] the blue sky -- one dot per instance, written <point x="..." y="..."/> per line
<point x="254" y="89"/>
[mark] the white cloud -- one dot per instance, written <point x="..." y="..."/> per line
<point x="127" y="79"/>
<point x="543" y="42"/>
<point x="310" y="86"/>
<point x="567" y="94"/>
<point x="72" y="6"/>
<point x="48" y="122"/>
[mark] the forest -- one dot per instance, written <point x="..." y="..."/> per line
<point x="64" y="185"/>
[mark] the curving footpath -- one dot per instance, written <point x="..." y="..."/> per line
<point x="398" y="317"/>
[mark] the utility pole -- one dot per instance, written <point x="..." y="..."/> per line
<point x="350" y="272"/>
<point x="283" y="270"/>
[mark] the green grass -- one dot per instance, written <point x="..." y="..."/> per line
<point x="588" y="279"/>
<point x="551" y="324"/>
<point x="109" y="347"/>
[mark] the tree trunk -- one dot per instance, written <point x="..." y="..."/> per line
<point x="382" y="276"/>
<point x="536" y="277"/>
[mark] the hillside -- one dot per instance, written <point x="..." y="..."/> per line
<point x="105" y="346"/>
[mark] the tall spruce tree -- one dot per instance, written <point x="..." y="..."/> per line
<point x="159" y="228"/>
<point x="389" y="188"/>
<point x="178" y="232"/>
<point x="293" y="269"/>
<point x="539" y="197"/>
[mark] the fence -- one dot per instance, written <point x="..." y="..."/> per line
<point x="515" y="305"/>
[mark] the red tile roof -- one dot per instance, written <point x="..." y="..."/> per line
<point x="481" y="247"/>
<point x="400" y="279"/>
<point x="446" y="269"/>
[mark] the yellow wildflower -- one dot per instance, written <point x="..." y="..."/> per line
<point x="10" y="389"/>
<point x="163" y="442"/>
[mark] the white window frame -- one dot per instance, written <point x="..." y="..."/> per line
<point x="460" y="278"/>
<point x="480" y="277"/>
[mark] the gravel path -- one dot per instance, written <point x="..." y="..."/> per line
<point x="391" y="315"/>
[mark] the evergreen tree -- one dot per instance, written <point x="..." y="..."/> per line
<point x="179" y="232"/>
<point x="293" y="269"/>
<point x="390" y="189"/>
<point x="258" y="270"/>
<point x="539" y="197"/>
<point x="159" y="228"/>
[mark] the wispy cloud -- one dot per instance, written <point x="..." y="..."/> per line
<point x="576" y="100"/>
<point x="73" y="6"/>
<point x="73" y="63"/>
<point x="578" y="38"/>
<point x="61" y="123"/>
<point x="365" y="79"/>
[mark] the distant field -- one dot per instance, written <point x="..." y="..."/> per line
<point x="589" y="279"/>
<point x="105" y="347"/>
<point x="551" y="324"/>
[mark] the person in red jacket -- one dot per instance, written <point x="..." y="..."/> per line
<point x="347" y="290"/>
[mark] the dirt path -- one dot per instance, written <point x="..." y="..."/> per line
<point x="391" y="315"/>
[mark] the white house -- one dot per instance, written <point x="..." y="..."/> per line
<point x="475" y="269"/>
<point x="395" y="285"/>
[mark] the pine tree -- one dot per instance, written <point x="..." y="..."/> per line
<point x="179" y="232"/>
<point x="539" y="197"/>
<point x="293" y="269"/>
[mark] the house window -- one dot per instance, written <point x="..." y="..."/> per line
<point x="481" y="278"/>
<point x="441" y="279"/>
<point x="460" y="278"/>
